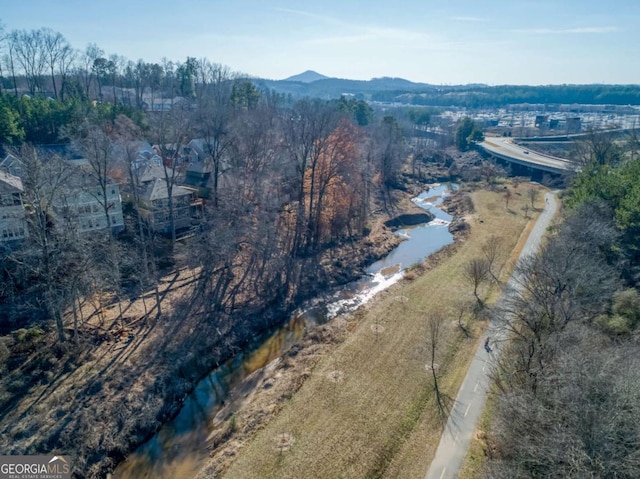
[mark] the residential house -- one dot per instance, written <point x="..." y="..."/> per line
<point x="155" y="206"/>
<point x="146" y="155"/>
<point x="158" y="104"/>
<point x="79" y="202"/>
<point x="154" y="198"/>
<point x="82" y="202"/>
<point x="13" y="221"/>
<point x="197" y="175"/>
<point x="152" y="172"/>
<point x="199" y="169"/>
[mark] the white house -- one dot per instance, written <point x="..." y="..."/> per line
<point x="82" y="201"/>
<point x="13" y="221"/>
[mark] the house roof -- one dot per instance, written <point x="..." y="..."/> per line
<point x="11" y="164"/>
<point x="141" y="148"/>
<point x="84" y="175"/>
<point x="157" y="190"/>
<point x="199" y="145"/>
<point x="10" y="183"/>
<point x="199" y="166"/>
<point x="63" y="150"/>
<point x="153" y="172"/>
<point x="162" y="104"/>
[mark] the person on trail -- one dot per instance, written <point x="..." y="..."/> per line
<point x="487" y="348"/>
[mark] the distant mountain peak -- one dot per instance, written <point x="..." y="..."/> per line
<point x="307" y="77"/>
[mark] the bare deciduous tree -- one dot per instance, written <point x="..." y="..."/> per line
<point x="49" y="254"/>
<point x="56" y="49"/>
<point x="214" y="119"/>
<point x="96" y="146"/>
<point x="581" y="421"/>
<point x="491" y="250"/>
<point x="435" y="338"/>
<point x="171" y="132"/>
<point x="476" y="272"/>
<point x="126" y="133"/>
<point x="462" y="307"/>
<point x="29" y="51"/>
<point x="507" y="198"/>
<point x="306" y="132"/>
<point x="533" y="194"/>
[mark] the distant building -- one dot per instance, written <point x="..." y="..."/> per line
<point x="542" y="122"/>
<point x="573" y="124"/>
<point x="155" y="104"/>
<point x="140" y="153"/>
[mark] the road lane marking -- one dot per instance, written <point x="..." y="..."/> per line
<point x="482" y="393"/>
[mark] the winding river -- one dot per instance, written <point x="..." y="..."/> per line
<point x="179" y="447"/>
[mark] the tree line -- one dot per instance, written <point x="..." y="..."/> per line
<point x="43" y="61"/>
<point x="567" y="390"/>
<point x="500" y="96"/>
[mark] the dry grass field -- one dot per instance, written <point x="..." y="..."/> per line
<point x="367" y="409"/>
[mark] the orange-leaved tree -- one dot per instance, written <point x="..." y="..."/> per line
<point x="332" y="185"/>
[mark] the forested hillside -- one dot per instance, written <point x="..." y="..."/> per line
<point x="156" y="219"/>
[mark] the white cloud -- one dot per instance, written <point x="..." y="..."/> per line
<point x="315" y="16"/>
<point x="356" y="32"/>
<point x="567" y="31"/>
<point x="469" y="19"/>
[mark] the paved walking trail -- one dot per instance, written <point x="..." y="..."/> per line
<point x="472" y="395"/>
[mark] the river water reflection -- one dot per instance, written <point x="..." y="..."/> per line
<point x="179" y="448"/>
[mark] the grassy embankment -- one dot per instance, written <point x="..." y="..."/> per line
<point x="367" y="409"/>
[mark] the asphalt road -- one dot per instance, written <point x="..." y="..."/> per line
<point x="504" y="146"/>
<point x="469" y="404"/>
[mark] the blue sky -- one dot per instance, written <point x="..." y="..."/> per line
<point x="441" y="42"/>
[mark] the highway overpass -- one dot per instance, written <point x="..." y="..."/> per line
<point x="504" y="149"/>
<point x="585" y="135"/>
